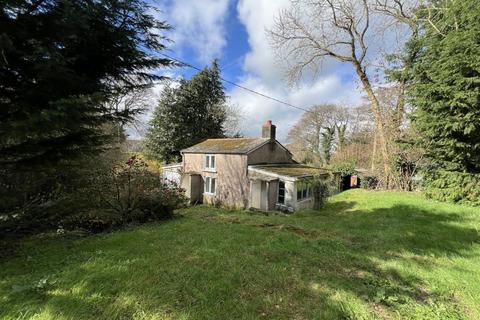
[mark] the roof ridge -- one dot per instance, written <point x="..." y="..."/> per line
<point x="227" y="145"/>
<point x="235" y="138"/>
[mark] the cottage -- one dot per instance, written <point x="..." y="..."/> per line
<point x="247" y="173"/>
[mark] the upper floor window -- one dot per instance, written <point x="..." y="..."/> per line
<point x="209" y="161"/>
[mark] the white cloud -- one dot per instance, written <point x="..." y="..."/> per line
<point x="264" y="74"/>
<point x="257" y="16"/>
<point x="199" y="25"/>
<point x="257" y="109"/>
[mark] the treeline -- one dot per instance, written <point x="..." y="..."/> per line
<point x="67" y="95"/>
<point x="423" y="97"/>
<point x="71" y="73"/>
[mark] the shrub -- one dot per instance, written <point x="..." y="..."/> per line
<point x="321" y="188"/>
<point x="346" y="168"/>
<point x="368" y="182"/>
<point x="124" y="193"/>
<point x="451" y="186"/>
<point x="93" y="220"/>
<point x="160" y="202"/>
<point x="97" y="194"/>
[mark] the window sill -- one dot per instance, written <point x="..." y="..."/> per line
<point x="209" y="170"/>
<point x="304" y="200"/>
<point x="209" y="194"/>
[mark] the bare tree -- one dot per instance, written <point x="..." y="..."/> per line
<point x="134" y="102"/>
<point x="316" y="133"/>
<point x="401" y="13"/>
<point x="233" y="122"/>
<point x="308" y="32"/>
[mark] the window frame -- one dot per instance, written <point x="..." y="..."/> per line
<point x="208" y="160"/>
<point x="284" y="192"/>
<point x="304" y="191"/>
<point x="209" y="182"/>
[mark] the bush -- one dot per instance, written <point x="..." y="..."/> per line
<point x="93" y="220"/>
<point x="451" y="186"/>
<point x="96" y="195"/>
<point x="131" y="186"/>
<point x="159" y="203"/>
<point x="368" y="182"/>
<point x="322" y="185"/>
<point x="346" y="168"/>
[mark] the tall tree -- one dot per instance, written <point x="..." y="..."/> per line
<point x="194" y="111"/>
<point x="309" y="32"/>
<point x="60" y="62"/>
<point x="446" y="86"/>
<point x="313" y="136"/>
<point x="327" y="143"/>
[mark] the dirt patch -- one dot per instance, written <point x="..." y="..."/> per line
<point x="421" y="295"/>
<point x="225" y="219"/>
<point x="291" y="228"/>
<point x="281" y="227"/>
<point x="382" y="311"/>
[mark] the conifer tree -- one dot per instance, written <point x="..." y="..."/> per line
<point x="60" y="61"/>
<point x="446" y="87"/>
<point x="188" y="114"/>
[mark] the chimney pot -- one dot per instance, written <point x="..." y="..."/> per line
<point x="269" y="130"/>
<point x="267" y="123"/>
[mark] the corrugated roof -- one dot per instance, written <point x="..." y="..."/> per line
<point x="230" y="145"/>
<point x="290" y="170"/>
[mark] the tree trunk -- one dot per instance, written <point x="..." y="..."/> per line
<point x="400" y="108"/>
<point x="374" y="152"/>
<point x="382" y="141"/>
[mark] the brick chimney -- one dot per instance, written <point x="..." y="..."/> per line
<point x="268" y="130"/>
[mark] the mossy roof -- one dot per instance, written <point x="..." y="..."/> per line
<point x="291" y="170"/>
<point x="230" y="145"/>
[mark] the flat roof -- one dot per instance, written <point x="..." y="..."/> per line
<point x="294" y="170"/>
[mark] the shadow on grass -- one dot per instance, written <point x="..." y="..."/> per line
<point x="218" y="269"/>
<point x="402" y="235"/>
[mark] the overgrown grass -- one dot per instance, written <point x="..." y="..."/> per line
<point x="366" y="255"/>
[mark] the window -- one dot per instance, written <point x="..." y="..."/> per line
<point x="210" y="185"/>
<point x="281" y="192"/>
<point x="304" y="191"/>
<point x="209" y="161"/>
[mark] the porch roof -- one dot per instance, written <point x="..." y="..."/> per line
<point x="290" y="170"/>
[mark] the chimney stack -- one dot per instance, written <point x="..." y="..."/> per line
<point x="268" y="130"/>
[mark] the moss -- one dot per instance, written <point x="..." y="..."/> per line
<point x="293" y="170"/>
<point x="227" y="145"/>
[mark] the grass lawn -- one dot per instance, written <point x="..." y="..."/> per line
<point x="366" y="255"/>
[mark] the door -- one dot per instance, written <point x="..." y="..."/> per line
<point x="263" y="196"/>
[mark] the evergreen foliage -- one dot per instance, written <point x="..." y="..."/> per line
<point x="446" y="87"/>
<point x="451" y="186"/>
<point x="328" y="137"/>
<point x="446" y="95"/>
<point x="188" y="114"/>
<point x="60" y="61"/>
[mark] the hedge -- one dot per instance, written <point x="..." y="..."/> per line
<point x="451" y="186"/>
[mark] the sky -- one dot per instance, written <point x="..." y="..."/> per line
<point x="234" y="31"/>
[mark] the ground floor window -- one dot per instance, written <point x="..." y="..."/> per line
<point x="210" y="185"/>
<point x="281" y="192"/>
<point x="304" y="191"/>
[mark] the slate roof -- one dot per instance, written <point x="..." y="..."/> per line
<point x="229" y="145"/>
<point x="294" y="170"/>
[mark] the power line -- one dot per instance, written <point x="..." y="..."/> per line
<point x="186" y="64"/>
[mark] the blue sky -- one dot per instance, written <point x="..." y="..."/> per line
<point x="234" y="32"/>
